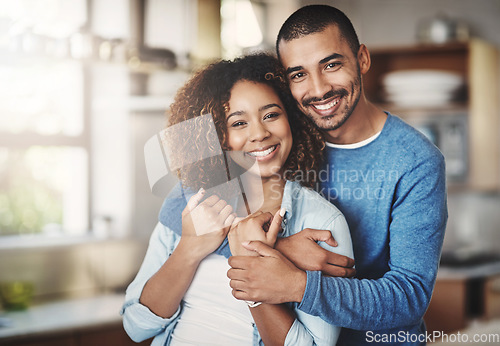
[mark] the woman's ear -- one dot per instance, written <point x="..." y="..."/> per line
<point x="364" y="59"/>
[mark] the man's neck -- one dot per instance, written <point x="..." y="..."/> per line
<point x="365" y="121"/>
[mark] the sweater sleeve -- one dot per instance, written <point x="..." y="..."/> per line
<point x="402" y="295"/>
<point x="139" y="322"/>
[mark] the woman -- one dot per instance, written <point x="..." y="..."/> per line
<point x="181" y="294"/>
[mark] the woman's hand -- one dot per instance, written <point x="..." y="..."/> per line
<point x="205" y="224"/>
<point x="258" y="226"/>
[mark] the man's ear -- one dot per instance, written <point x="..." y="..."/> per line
<point x="364" y="59"/>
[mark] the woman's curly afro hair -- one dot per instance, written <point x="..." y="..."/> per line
<point x="209" y="91"/>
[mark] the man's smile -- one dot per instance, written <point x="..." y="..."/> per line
<point x="327" y="107"/>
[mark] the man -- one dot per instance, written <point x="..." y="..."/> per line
<point x="387" y="179"/>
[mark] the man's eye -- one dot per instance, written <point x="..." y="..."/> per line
<point x="332" y="65"/>
<point x="297" y="75"/>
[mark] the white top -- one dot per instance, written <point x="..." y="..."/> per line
<point x="354" y="145"/>
<point x="208" y="305"/>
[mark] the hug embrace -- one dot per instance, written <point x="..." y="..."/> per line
<point x="246" y="251"/>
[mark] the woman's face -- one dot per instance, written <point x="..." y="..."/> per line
<point x="257" y="129"/>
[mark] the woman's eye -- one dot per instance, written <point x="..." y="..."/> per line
<point x="238" y="123"/>
<point x="271" y="115"/>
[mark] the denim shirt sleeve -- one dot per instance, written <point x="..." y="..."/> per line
<point x="312" y="330"/>
<point x="139" y="322"/>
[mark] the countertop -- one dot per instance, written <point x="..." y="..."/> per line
<point x="61" y="316"/>
<point x="469" y="272"/>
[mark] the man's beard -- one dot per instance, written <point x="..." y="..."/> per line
<point x="320" y="121"/>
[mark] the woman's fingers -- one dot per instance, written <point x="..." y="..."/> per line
<point x="219" y="206"/>
<point x="195" y="200"/>
<point x="210" y="201"/>
<point x="229" y="220"/>
<point x="275" y="226"/>
<point x="225" y="212"/>
<point x="259" y="218"/>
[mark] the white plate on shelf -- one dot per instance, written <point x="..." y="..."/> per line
<point x="425" y="99"/>
<point x="423" y="78"/>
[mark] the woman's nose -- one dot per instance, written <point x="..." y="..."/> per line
<point x="258" y="132"/>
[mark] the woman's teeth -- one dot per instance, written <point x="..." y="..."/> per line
<point x="263" y="152"/>
<point x="327" y="106"/>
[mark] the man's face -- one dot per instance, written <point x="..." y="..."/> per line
<point x="324" y="75"/>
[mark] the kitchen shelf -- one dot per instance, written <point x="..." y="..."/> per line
<point x="478" y="63"/>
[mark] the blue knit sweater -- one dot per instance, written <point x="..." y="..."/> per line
<point x="392" y="192"/>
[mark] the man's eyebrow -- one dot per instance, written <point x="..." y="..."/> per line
<point x="322" y="61"/>
<point x="271" y="105"/>
<point x="293" y="69"/>
<point x="330" y="57"/>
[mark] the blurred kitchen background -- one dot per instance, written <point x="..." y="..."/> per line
<point x="85" y="83"/>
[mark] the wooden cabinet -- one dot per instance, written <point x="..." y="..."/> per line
<point x="102" y="336"/>
<point x="458" y="301"/>
<point x="447" y="311"/>
<point x="478" y="105"/>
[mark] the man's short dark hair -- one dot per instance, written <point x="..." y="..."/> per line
<point x="313" y="19"/>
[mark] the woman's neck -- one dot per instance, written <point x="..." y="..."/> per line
<point x="264" y="194"/>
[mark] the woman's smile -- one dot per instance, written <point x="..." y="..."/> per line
<point x="264" y="154"/>
<point x="257" y="128"/>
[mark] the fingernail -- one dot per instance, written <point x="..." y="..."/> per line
<point x="282" y="212"/>
<point x="201" y="190"/>
<point x="245" y="243"/>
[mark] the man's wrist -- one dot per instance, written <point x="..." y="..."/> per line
<point x="300" y="286"/>
<point x="280" y="245"/>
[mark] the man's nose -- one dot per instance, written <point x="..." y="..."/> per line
<point x="319" y="86"/>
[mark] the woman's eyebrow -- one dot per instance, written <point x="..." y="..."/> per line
<point x="234" y="114"/>
<point x="271" y="105"/>
<point x="263" y="108"/>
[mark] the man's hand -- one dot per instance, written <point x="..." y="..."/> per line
<point x="263" y="227"/>
<point x="302" y="249"/>
<point x="269" y="278"/>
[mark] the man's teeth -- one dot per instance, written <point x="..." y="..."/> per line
<point x="263" y="152"/>
<point x="327" y="106"/>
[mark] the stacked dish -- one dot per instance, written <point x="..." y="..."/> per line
<point x="422" y="88"/>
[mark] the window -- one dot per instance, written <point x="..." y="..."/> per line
<point x="240" y="29"/>
<point x="44" y="146"/>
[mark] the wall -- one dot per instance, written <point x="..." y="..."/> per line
<point x="394" y="22"/>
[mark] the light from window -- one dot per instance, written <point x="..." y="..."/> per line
<point x="43" y="190"/>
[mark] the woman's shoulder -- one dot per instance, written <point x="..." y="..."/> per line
<point x="309" y="205"/>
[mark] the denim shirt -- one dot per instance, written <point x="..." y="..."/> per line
<point x="304" y="209"/>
